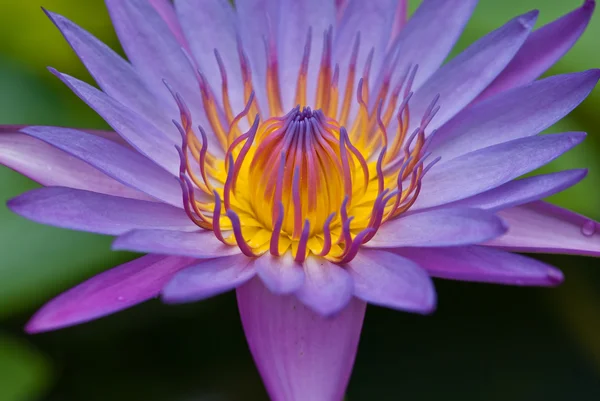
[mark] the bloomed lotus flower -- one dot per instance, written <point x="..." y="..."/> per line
<point x="315" y="156"/>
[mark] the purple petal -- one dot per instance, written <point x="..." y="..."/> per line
<point x="138" y="132"/>
<point x="429" y="35"/>
<point x="97" y="213"/>
<point x="460" y="80"/>
<point x="209" y="278"/>
<point x="481" y="264"/>
<point x="522" y="191"/>
<point x="108" y="292"/>
<point x="200" y="245"/>
<point x="165" y="9"/>
<point x="440" y="227"/>
<point x="296" y="19"/>
<point x="514" y="114"/>
<point x="258" y="20"/>
<point x="373" y="20"/>
<point x="156" y="54"/>
<point x="115" y="76"/>
<point x="208" y="25"/>
<point x="116" y="161"/>
<point x="327" y="287"/>
<point x="17" y="150"/>
<point x="281" y="275"/>
<point x="543" y="48"/>
<point x="400" y="19"/>
<point x="386" y="279"/>
<point x="542" y="227"/>
<point x="299" y="354"/>
<point x="488" y="168"/>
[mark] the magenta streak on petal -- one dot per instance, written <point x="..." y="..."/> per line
<point x="481" y="264"/>
<point x="108" y="292"/>
<point x="542" y="49"/>
<point x="300" y="355"/>
<point x="209" y="278"/>
<point x="98" y="213"/>
<point x="31" y="157"/>
<point x="541" y="227"/>
<point x="400" y="19"/>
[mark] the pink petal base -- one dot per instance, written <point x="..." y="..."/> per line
<point x="300" y="355"/>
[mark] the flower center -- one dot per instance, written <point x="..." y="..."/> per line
<point x="300" y="181"/>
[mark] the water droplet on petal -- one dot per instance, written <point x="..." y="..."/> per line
<point x="588" y="228"/>
<point x="120" y="298"/>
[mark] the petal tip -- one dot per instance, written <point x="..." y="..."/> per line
<point x="589" y="5"/>
<point x="555" y="277"/>
<point x="528" y="20"/>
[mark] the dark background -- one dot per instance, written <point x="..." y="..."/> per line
<point x="485" y="342"/>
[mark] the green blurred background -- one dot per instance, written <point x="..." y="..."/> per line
<point x="485" y="342"/>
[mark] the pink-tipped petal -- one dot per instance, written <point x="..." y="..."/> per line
<point x="209" y="278"/>
<point x="546" y="228"/>
<point x="281" y="274"/>
<point x="300" y="354"/>
<point x="488" y="168"/>
<point x="543" y="48"/>
<point x="97" y="213"/>
<point x="481" y="264"/>
<point x="201" y="245"/>
<point x="327" y="287"/>
<point x="513" y="114"/>
<point x="116" y="161"/>
<point x="108" y="292"/>
<point x="17" y="150"/>
<point x="386" y="279"/>
<point x="522" y="191"/>
<point x="439" y="227"/>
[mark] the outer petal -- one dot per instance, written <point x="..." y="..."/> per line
<point x="108" y="292"/>
<point x="16" y="150"/>
<point x="441" y="227"/>
<point x="522" y="191"/>
<point x="116" y="161"/>
<point x="156" y="54"/>
<point x="384" y="278"/>
<point x="209" y="278"/>
<point x="542" y="227"/>
<point x="460" y="80"/>
<point x="281" y="275"/>
<point x="300" y="354"/>
<point x="542" y="49"/>
<point x="201" y="245"/>
<point x="115" y="76"/>
<point x="478" y="263"/>
<point x="514" y="114"/>
<point x="138" y="132"/>
<point x="296" y="17"/>
<point x="429" y="35"/>
<point x="97" y="213"/>
<point x="488" y="168"/>
<point x="327" y="287"/>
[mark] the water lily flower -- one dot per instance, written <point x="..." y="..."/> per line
<point x="313" y="155"/>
